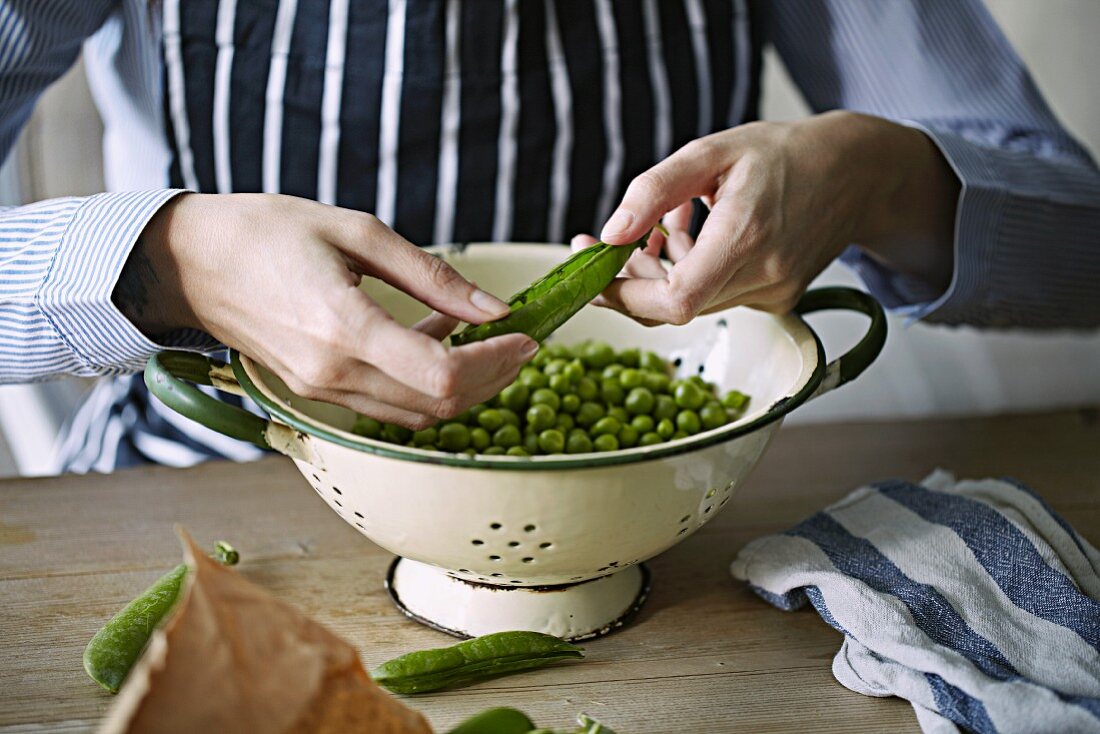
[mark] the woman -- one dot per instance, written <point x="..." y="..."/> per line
<point x="454" y="120"/>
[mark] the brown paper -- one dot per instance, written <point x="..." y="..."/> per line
<point x="233" y="658"/>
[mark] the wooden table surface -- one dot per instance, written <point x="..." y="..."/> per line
<point x="705" y="655"/>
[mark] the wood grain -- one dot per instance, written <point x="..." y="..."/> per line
<point x="705" y="655"/>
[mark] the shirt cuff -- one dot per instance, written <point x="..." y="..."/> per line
<point x="75" y="295"/>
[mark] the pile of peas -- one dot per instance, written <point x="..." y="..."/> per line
<point x="573" y="400"/>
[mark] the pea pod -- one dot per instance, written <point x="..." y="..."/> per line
<point x="586" y="725"/>
<point x="554" y="298"/>
<point x="471" y="661"/>
<point x="496" y="721"/>
<point x="114" y="649"/>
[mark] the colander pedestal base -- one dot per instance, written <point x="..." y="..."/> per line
<point x="463" y="608"/>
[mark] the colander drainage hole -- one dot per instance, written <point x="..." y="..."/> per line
<point x="338" y="503"/>
<point x="494" y="558"/>
<point x="528" y="559"/>
<point x="464" y="570"/>
<point x="513" y="544"/>
<point x="336" y="490"/>
<point x="360" y="526"/>
<point x="682" y="531"/>
<point x="359" y="515"/>
<point x="477" y="542"/>
<point x="544" y="546"/>
<point x="685" y="518"/>
<point x="528" y="528"/>
<point x="496" y="526"/>
<point x="496" y="575"/>
<point x="705" y="511"/>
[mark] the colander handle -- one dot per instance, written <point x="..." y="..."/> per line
<point x="852" y="363"/>
<point x="171" y="376"/>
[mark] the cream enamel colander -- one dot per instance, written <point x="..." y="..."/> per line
<point x="553" y="544"/>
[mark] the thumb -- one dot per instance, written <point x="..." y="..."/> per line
<point x="685" y="174"/>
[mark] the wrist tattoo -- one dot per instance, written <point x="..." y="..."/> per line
<point x="135" y="286"/>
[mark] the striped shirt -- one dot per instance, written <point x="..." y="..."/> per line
<point x="460" y="120"/>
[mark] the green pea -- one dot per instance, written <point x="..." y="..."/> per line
<point x="688" y="421"/>
<point x="540" y="359"/>
<point x="367" y="427"/>
<point x="561" y="384"/>
<point x="507" y="436"/>
<point x="606" y="425"/>
<point x="735" y="400"/>
<point x="680" y="434"/>
<point x="533" y="378"/>
<point x="689" y="395"/>
<point x="570" y="403"/>
<point x="531" y="442"/>
<point x="411" y="444"/>
<point x="551" y="441"/>
<point x="556" y="367"/>
<point x="612" y="393"/>
<point x="578" y="443"/>
<point x="540" y="416"/>
<point x="713" y="415"/>
<point x="454" y="437"/>
<point x="588" y="389"/>
<point x="665" y="428"/>
<point x="480" y="438"/>
<point x="606" y="442"/>
<point x="510" y="417"/>
<point x="652" y="361"/>
<point x="650" y="439"/>
<point x="546" y="396"/>
<point x="639" y="401"/>
<point x="619" y="413"/>
<point x="630" y="358"/>
<point x="395" y="434"/>
<point x="494" y="451"/>
<point x="577" y="432"/>
<point x="559" y="351"/>
<point x="642" y="423"/>
<point x="700" y="382"/>
<point x="464" y="418"/>
<point x="516" y="451"/>
<point x="471" y="661"/>
<point x="611" y="372"/>
<point x="598" y="355"/>
<point x="470" y="451"/>
<point x="589" y="413"/>
<point x="628" y="437"/>
<point x="656" y="382"/>
<point x="515" y="396"/>
<point x="665" y="407"/>
<point x="428" y="447"/>
<point x="477" y="410"/>
<point x="574" y="371"/>
<point x="564" y="422"/>
<point x="424" y="437"/>
<point x="490" y="419"/>
<point x="630" y="378"/>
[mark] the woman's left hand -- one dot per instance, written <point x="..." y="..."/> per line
<point x="785" y="199"/>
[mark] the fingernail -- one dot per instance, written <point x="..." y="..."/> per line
<point x="620" y="221"/>
<point x="530" y="348"/>
<point x="488" y="303"/>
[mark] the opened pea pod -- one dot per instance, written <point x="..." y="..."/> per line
<point x="540" y="308"/>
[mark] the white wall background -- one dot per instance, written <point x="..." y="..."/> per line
<point x="923" y="371"/>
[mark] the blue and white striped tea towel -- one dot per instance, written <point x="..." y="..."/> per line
<point x="973" y="600"/>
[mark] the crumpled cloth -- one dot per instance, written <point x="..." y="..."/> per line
<point x="973" y="600"/>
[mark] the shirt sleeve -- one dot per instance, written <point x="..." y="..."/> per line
<point x="1027" y="230"/>
<point x="60" y="259"/>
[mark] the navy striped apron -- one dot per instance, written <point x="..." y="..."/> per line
<point x="451" y="120"/>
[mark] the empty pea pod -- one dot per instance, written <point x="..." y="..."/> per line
<point x="471" y="661"/>
<point x="114" y="649"/>
<point x="550" y="301"/>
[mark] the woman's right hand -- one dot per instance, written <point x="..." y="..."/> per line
<point x="277" y="277"/>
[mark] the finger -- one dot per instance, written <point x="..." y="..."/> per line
<point x="680" y="217"/>
<point x="693" y="282"/>
<point x="679" y="244"/>
<point x="422" y="362"/>
<point x="384" y="254"/>
<point x="643" y="265"/>
<point x="689" y="172"/>
<point x="581" y="241"/>
<point x="436" y="325"/>
<point x="379" y="410"/>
